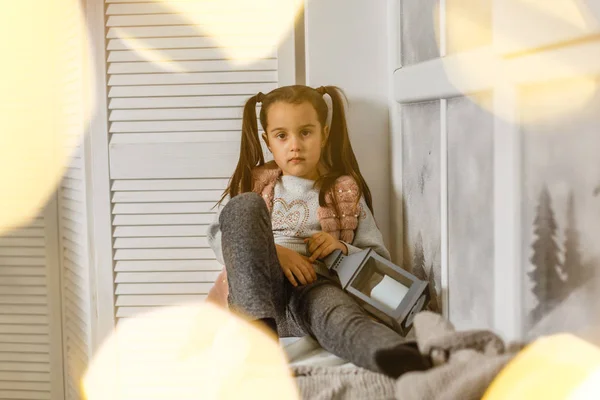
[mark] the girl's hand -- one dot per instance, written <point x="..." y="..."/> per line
<point x="322" y="244"/>
<point x="295" y="266"/>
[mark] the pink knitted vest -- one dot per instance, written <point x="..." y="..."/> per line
<point x="340" y="226"/>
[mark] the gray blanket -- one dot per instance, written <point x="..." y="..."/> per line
<point x="465" y="363"/>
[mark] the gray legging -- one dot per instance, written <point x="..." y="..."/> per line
<point x="259" y="289"/>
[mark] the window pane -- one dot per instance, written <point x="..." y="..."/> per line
<point x="418" y="34"/>
<point x="421" y="188"/>
<point x="561" y="219"/>
<point x="471" y="212"/>
<point x="468" y="24"/>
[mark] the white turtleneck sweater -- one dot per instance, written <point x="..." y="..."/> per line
<point x="294" y="218"/>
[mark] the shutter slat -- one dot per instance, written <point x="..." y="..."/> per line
<point x="166" y="196"/>
<point x="27" y="299"/>
<point x="163" y="254"/>
<point x="190" y="42"/>
<point x="68" y="234"/>
<point x="157" y="243"/>
<point x="232" y="53"/>
<point x="177" y="102"/>
<point x="163" y="288"/>
<point x="24" y="395"/>
<point x="192" y="78"/>
<point x="192" y="66"/>
<point x="26" y="233"/>
<point x="11" y="356"/>
<point x="30" y="261"/>
<point x="23" y="281"/>
<point x="177" y="137"/>
<point x="167" y="277"/>
<point x="23" y="376"/>
<point x="72" y="195"/>
<point x="73" y="251"/>
<point x="70" y="204"/>
<point x="170" y="265"/>
<point x="180" y="31"/>
<point x="169" y="184"/>
<point x="169" y="126"/>
<point x="186" y="19"/>
<point x="22" y="251"/>
<point x="176" y="114"/>
<point x="73" y="184"/>
<point x="24" y="329"/>
<point x="22" y="271"/>
<point x="163" y="219"/>
<point x="158" y="300"/>
<point x="22" y="242"/>
<point x="73" y="226"/>
<point x="25" y="348"/>
<point x="243" y="89"/>
<point x="35" y="339"/>
<point x="27" y="309"/>
<point x="80" y="275"/>
<point x="6" y="289"/>
<point x="24" y="367"/>
<point x="25" y="386"/>
<point x="75" y="269"/>
<point x="134" y="311"/>
<point x="24" y="319"/>
<point x="161" y="231"/>
<point x="36" y="223"/>
<point x="132" y="7"/>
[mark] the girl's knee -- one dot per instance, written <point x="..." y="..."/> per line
<point x="245" y="205"/>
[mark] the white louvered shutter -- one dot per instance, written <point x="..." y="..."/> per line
<point x="26" y="334"/>
<point x="175" y="105"/>
<point x="72" y="214"/>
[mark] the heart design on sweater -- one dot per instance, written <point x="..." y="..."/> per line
<point x="290" y="219"/>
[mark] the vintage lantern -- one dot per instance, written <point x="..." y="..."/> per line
<point x="385" y="290"/>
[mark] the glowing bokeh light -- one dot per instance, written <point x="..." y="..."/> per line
<point x="557" y="367"/>
<point x="244" y="31"/>
<point x="44" y="101"/>
<point x="189" y="352"/>
<point x="522" y="45"/>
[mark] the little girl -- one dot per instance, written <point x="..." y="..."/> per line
<point x="285" y="216"/>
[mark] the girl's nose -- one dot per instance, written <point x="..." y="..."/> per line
<point x="294" y="144"/>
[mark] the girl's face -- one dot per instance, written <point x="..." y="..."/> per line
<point x="296" y="138"/>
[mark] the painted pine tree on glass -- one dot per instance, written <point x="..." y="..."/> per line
<point x="418" y="270"/>
<point x="418" y="265"/>
<point x="572" y="264"/>
<point x="434" y="303"/>
<point x="545" y="259"/>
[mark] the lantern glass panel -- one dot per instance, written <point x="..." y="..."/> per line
<point x="372" y="274"/>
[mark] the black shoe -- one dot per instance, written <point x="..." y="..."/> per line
<point x="270" y="324"/>
<point x="401" y="359"/>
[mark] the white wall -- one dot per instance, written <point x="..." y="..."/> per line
<point x="346" y="46"/>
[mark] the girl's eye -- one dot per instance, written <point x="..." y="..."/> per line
<point x="280" y="136"/>
<point x="305" y="133"/>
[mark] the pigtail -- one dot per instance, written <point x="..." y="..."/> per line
<point x="338" y="156"/>
<point x="251" y="153"/>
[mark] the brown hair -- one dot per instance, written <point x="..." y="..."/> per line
<point x="337" y="156"/>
